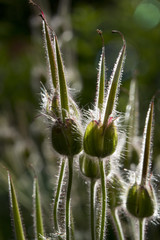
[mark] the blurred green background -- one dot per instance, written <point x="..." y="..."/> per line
<point x="24" y="136"/>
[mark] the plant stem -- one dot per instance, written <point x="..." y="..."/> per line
<point x="103" y="188"/>
<point x="62" y="168"/>
<point x="141" y="229"/>
<point x="117" y="224"/>
<point x="92" y="208"/>
<point x="68" y="197"/>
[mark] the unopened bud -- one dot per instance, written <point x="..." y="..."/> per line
<point x="66" y="137"/>
<point x="140" y="201"/>
<point x="89" y="166"/>
<point x="100" y="140"/>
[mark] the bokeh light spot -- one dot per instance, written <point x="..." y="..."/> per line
<point x="147" y="15"/>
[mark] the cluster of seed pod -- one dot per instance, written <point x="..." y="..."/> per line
<point x="95" y="144"/>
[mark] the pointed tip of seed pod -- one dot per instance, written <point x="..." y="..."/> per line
<point x="152" y="101"/>
<point x="9" y="178"/>
<point x="33" y="170"/>
<point x="101" y="35"/>
<point x="9" y="175"/>
<point x="122" y="36"/>
<point x="42" y="13"/>
<point x="153" y="98"/>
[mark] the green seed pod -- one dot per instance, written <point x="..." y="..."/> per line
<point x="140" y="201"/>
<point x="115" y="191"/>
<point x="89" y="167"/>
<point x="100" y="140"/>
<point x="66" y="137"/>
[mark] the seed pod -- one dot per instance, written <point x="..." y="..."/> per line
<point x="115" y="191"/>
<point x="89" y="167"/>
<point x="66" y="137"/>
<point x="100" y="140"/>
<point x="140" y="201"/>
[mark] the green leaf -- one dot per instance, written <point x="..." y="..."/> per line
<point x="62" y="82"/>
<point x="114" y="82"/>
<point x="147" y="136"/>
<point x="15" y="211"/>
<point x="38" y="221"/>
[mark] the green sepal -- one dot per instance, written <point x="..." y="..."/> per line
<point x="66" y="137"/>
<point x="89" y="167"/>
<point x="140" y="201"/>
<point x="38" y="220"/>
<point x="56" y="105"/>
<point x="99" y="140"/>
<point x="18" y="226"/>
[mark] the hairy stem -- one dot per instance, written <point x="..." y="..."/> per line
<point x="68" y="198"/>
<point x="92" y="208"/>
<point x="104" y="196"/>
<point x="117" y="224"/>
<point x="141" y="229"/>
<point x="62" y="168"/>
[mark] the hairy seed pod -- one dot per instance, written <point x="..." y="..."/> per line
<point x="89" y="167"/>
<point x="140" y="201"/>
<point x="100" y="140"/>
<point x="66" y="137"/>
<point x="115" y="191"/>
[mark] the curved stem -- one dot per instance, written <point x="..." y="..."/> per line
<point x="68" y="197"/>
<point x="117" y="224"/>
<point x="92" y="208"/>
<point x="55" y="217"/>
<point x="104" y="196"/>
<point x="141" y="229"/>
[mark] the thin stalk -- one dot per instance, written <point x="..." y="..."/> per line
<point x="92" y="208"/>
<point x="55" y="217"/>
<point x="141" y="229"/>
<point x="117" y="224"/>
<point x="104" y="196"/>
<point x="68" y="198"/>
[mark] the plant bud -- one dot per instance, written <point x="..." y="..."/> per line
<point x="115" y="191"/>
<point x="89" y="166"/>
<point x="100" y="140"/>
<point x="140" y="201"/>
<point x="66" y="137"/>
